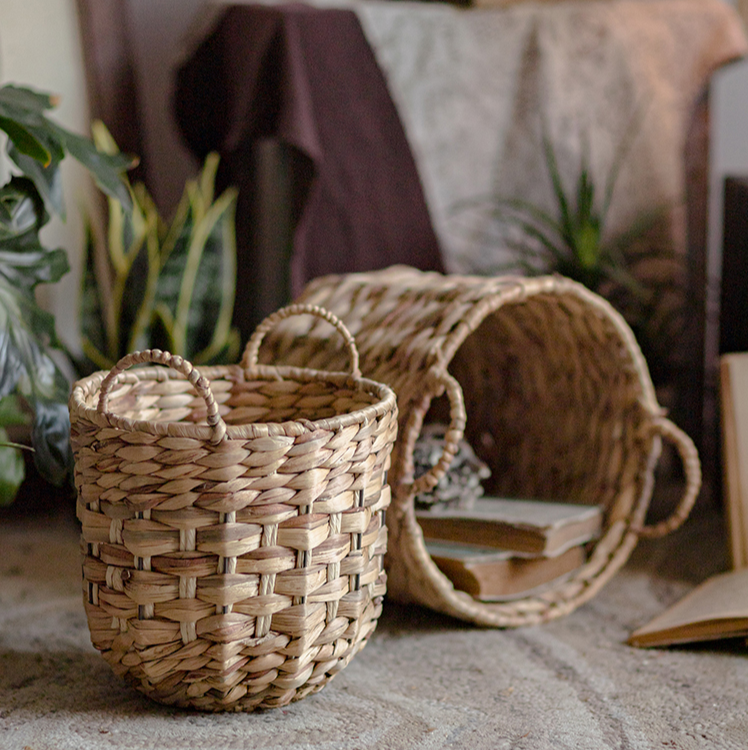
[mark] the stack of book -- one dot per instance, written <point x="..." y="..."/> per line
<point x="502" y="549"/>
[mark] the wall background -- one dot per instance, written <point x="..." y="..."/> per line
<point x="40" y="46"/>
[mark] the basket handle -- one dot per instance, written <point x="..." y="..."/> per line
<point x="200" y="384"/>
<point x="453" y="435"/>
<point x="692" y="468"/>
<point x="251" y="351"/>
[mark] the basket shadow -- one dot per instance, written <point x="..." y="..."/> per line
<point x="398" y="619"/>
<point x="692" y="553"/>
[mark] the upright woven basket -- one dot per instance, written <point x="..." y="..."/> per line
<point x="547" y="383"/>
<point x="233" y="522"/>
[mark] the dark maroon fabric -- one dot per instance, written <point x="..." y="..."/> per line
<point x="308" y="76"/>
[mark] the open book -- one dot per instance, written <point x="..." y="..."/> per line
<point x="717" y="608"/>
<point x="734" y="403"/>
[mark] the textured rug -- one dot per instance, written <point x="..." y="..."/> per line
<point x="424" y="680"/>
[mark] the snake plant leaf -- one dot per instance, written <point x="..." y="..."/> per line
<point x="162" y="329"/>
<point x="197" y="280"/>
<point x="92" y="315"/>
<point x="163" y="286"/>
<point x="208" y="320"/>
<point x="141" y="280"/>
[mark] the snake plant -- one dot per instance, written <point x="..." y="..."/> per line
<point x="151" y="284"/>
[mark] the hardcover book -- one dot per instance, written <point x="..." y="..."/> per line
<point x="536" y="527"/>
<point x="490" y="574"/>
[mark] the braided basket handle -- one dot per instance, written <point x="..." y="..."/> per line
<point x="198" y="381"/>
<point x="457" y="420"/>
<point x="692" y="468"/>
<point x="251" y="351"/>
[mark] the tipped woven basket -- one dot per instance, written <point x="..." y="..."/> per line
<point x="233" y="522"/>
<point x="547" y="383"/>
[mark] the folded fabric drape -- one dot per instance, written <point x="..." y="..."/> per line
<point x="307" y="77"/>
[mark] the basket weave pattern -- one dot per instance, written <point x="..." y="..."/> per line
<point x="232" y="524"/>
<point x="544" y="379"/>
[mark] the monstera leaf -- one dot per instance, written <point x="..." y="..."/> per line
<point x="28" y="369"/>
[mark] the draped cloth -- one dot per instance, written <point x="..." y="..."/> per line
<point x="307" y="77"/>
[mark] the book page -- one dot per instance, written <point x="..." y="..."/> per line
<point x="734" y="394"/>
<point x="540" y="514"/>
<point x="720" y="600"/>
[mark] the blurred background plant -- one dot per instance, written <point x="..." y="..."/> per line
<point x="149" y="284"/>
<point x="637" y="272"/>
<point x="33" y="388"/>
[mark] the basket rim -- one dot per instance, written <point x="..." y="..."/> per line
<point x="488" y="294"/>
<point x="88" y="387"/>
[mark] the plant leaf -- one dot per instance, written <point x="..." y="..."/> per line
<point x="25" y="141"/>
<point x="210" y="263"/>
<point x="12" y="469"/>
<point x="624" y="146"/>
<point x="558" y="186"/>
<point x="15" y="99"/>
<point x="51" y="440"/>
<point x="93" y="287"/>
<point x="11" y="413"/>
<point x="142" y="313"/>
<point x="107" y="169"/>
<point x="21" y="209"/>
<point x="47" y="179"/>
<point x="222" y="244"/>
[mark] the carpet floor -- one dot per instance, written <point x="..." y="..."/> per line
<point x="423" y="681"/>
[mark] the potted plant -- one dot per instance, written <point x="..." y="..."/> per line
<point x="33" y="388"/>
<point x="152" y="284"/>
<point x="572" y="240"/>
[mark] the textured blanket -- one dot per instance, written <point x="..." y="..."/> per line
<point x="472" y="85"/>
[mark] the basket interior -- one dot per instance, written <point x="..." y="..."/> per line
<point x="553" y="403"/>
<point x="165" y="396"/>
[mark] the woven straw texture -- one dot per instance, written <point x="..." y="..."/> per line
<point x="233" y="522"/>
<point x="546" y="382"/>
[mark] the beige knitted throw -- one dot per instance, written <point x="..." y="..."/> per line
<point x="470" y="85"/>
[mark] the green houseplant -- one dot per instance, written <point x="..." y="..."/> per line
<point x="33" y="388"/>
<point x="152" y="284"/>
<point x="572" y="240"/>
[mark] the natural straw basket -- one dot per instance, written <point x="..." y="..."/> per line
<point x="550" y="388"/>
<point x="233" y="540"/>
